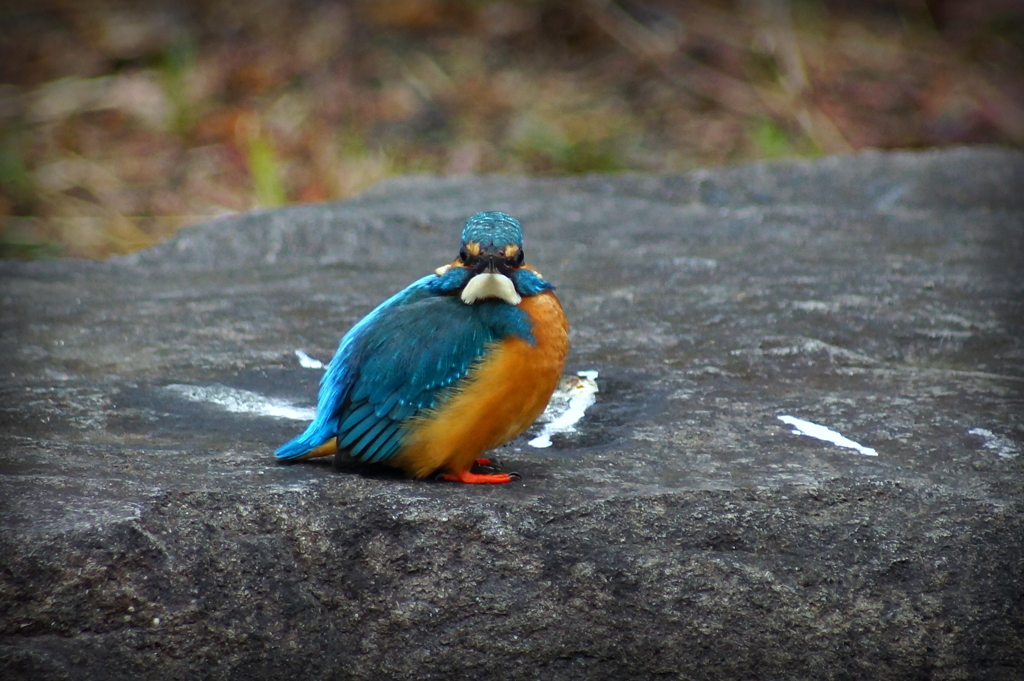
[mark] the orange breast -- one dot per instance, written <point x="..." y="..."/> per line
<point x="502" y="396"/>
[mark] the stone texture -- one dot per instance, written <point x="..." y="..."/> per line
<point x="683" y="532"/>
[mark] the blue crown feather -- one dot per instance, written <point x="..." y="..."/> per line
<point x="493" y="229"/>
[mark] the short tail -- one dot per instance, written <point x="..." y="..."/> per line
<point x="310" y="444"/>
<point x="319" y="437"/>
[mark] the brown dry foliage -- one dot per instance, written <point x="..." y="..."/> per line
<point x="122" y="122"/>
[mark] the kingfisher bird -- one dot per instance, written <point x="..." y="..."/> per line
<point x="457" y="363"/>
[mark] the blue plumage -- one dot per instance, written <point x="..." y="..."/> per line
<point x="403" y="357"/>
<point x="493" y="229"/>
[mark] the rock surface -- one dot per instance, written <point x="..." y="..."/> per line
<point x="684" y="530"/>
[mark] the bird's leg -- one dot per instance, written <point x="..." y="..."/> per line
<point x="477" y="478"/>
<point x="484" y="462"/>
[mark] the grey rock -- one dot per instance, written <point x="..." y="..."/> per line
<point x="683" y="531"/>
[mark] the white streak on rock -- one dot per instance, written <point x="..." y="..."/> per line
<point x="307" y="362"/>
<point x="822" y="433"/>
<point x="568" y="405"/>
<point x="242" y="401"/>
<point x="1002" y="446"/>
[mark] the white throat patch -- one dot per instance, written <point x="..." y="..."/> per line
<point x="490" y="285"/>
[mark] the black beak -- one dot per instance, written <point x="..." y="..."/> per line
<point x="493" y="262"/>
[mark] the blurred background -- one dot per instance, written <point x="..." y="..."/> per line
<point x="121" y="122"/>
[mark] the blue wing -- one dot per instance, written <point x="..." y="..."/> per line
<point x="399" y="360"/>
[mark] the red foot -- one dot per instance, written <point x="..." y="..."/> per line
<point x="484" y="462"/>
<point x="477" y="478"/>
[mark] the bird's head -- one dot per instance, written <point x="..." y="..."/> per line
<point x="492" y="242"/>
<point x="492" y="249"/>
